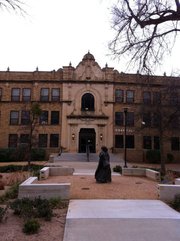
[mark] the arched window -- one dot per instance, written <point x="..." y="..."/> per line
<point x="87" y="102"/>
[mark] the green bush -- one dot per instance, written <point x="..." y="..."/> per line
<point x="153" y="156"/>
<point x="23" y="208"/>
<point x="58" y="203"/>
<point x="176" y="203"/>
<point x="117" y="169"/>
<point x="31" y="226"/>
<point x="15" y="168"/>
<point x="43" y="208"/>
<point x="11" y="193"/>
<point x="20" y="154"/>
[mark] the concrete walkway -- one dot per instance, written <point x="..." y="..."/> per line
<point x="116" y="220"/>
<point x="121" y="220"/>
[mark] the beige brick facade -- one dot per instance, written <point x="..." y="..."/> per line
<point x="87" y="108"/>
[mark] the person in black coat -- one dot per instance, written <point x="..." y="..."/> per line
<point x="103" y="171"/>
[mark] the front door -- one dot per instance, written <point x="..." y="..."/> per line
<point x="87" y="139"/>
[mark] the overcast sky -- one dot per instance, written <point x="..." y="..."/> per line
<point x="56" y="32"/>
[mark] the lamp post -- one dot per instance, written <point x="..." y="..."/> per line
<point x="125" y="123"/>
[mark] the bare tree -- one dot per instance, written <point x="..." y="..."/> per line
<point x="15" y="5"/>
<point x="145" y="31"/>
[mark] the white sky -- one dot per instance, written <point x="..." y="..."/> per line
<point x="56" y="32"/>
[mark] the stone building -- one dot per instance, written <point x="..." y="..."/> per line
<point x="90" y="106"/>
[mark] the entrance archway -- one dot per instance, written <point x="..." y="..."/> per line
<point x="87" y="136"/>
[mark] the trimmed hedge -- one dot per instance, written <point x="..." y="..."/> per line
<point x="20" y="154"/>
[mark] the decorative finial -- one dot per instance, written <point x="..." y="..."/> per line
<point x="164" y="73"/>
<point x="8" y="69"/>
<point x="106" y="65"/>
<point x="70" y="63"/>
<point x="37" y="68"/>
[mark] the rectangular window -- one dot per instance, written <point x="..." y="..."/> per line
<point x="26" y="94"/>
<point x="156" y="120"/>
<point x="14" y="117"/>
<point x="0" y="94"/>
<point x="13" y="140"/>
<point x="175" y="122"/>
<point x="24" y="138"/>
<point x="147" y="119"/>
<point x="147" y="142"/>
<point x="147" y="97"/>
<point x="15" y="94"/>
<point x="54" y="117"/>
<point x="175" y="144"/>
<point x="156" y="97"/>
<point x="43" y="119"/>
<point x="174" y="98"/>
<point x="129" y="96"/>
<point x="130" y="119"/>
<point x="156" y="143"/>
<point x="130" y="141"/>
<point x="119" y="141"/>
<point x="43" y="138"/>
<point x="55" y="94"/>
<point x="54" y="140"/>
<point x="44" y="96"/>
<point x="25" y="117"/>
<point x="119" y="118"/>
<point x="119" y="96"/>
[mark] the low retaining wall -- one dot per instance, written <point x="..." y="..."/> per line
<point x="167" y="192"/>
<point x="45" y="172"/>
<point x="49" y="190"/>
<point x="149" y="173"/>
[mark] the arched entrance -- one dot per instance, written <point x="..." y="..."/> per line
<point x="87" y="136"/>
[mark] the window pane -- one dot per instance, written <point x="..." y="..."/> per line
<point x="129" y="141"/>
<point x="156" y="97"/>
<point x="147" y="119"/>
<point x="147" y="143"/>
<point x="175" y="144"/>
<point x="129" y="96"/>
<point x="87" y="102"/>
<point x="119" y="141"/>
<point x="156" y="143"/>
<point x="15" y="94"/>
<point x="54" y="140"/>
<point x="13" y="140"/>
<point x="44" y="94"/>
<point x="43" y="140"/>
<point x="0" y="94"/>
<point x="119" y="95"/>
<point x="54" y="117"/>
<point x="43" y="119"/>
<point x="156" y="120"/>
<point x="24" y="138"/>
<point x="55" y="94"/>
<point x="26" y="95"/>
<point x="130" y="119"/>
<point x="25" y="117"/>
<point x="147" y="97"/>
<point x="119" y="118"/>
<point x="14" y="117"/>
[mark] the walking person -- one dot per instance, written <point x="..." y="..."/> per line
<point x="103" y="171"/>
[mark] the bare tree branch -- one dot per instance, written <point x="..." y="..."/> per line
<point x="145" y="31"/>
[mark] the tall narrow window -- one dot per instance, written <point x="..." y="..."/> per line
<point x="54" y="117"/>
<point x="156" y="143"/>
<point x="43" y="119"/>
<point x="119" y="118"/>
<point x="15" y="94"/>
<point x="129" y="96"/>
<point x="14" y="117"/>
<point x="24" y="138"/>
<point x="175" y="144"/>
<point x="147" y="142"/>
<point x="147" y="119"/>
<point x="156" y="121"/>
<point x="13" y="140"/>
<point x="119" y="141"/>
<point x="44" y="96"/>
<point x="119" y="96"/>
<point x="26" y="94"/>
<point x="43" y="138"/>
<point x="156" y="97"/>
<point x="130" y="119"/>
<point x="54" y="140"/>
<point x="25" y="117"/>
<point x="55" y="94"/>
<point x="87" y="102"/>
<point x="147" y="97"/>
<point x="130" y="141"/>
